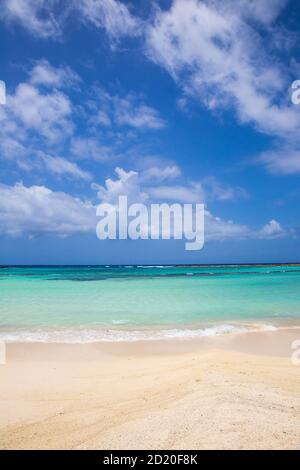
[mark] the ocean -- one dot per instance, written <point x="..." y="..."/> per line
<point x="79" y="304"/>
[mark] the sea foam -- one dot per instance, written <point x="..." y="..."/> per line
<point x="86" y="335"/>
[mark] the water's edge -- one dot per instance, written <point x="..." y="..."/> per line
<point x="98" y="335"/>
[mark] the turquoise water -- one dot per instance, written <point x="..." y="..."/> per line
<point x="115" y="303"/>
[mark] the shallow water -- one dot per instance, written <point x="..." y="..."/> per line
<point x="115" y="303"/>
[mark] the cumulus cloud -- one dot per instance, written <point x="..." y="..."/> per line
<point x="222" y="53"/>
<point x="39" y="123"/>
<point x="131" y="184"/>
<point x="272" y="229"/>
<point x="33" y="119"/>
<point x="46" y="113"/>
<point x="43" y="73"/>
<point x="152" y="181"/>
<point x="37" y="210"/>
<point x="37" y="110"/>
<point x="126" y="184"/>
<point x="218" y="229"/>
<point x="207" y="189"/>
<point x="39" y="116"/>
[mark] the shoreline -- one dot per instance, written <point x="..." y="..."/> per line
<point x="268" y="342"/>
<point x="223" y="392"/>
<point x="125" y="333"/>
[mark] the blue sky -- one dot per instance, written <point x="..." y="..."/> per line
<point x="176" y="101"/>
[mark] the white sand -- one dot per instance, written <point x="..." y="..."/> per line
<point x="230" y="393"/>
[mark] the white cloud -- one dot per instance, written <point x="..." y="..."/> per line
<point x="191" y="193"/>
<point x="103" y="118"/>
<point x="217" y="229"/>
<point x="89" y="148"/>
<point x="34" y="15"/>
<point x="62" y="167"/>
<point x="36" y="210"/>
<point x="207" y="189"/>
<point x="169" y="172"/>
<point x="43" y="73"/>
<point x="38" y="124"/>
<point x="32" y="120"/>
<point x="214" y="190"/>
<point x="285" y="160"/>
<point x="130" y="184"/>
<point x="46" y="18"/>
<point x="138" y="189"/>
<point x="33" y="113"/>
<point x="127" y="184"/>
<point x="46" y="113"/>
<point x="147" y="185"/>
<point x="116" y="110"/>
<point x="212" y="49"/>
<point x="272" y="229"/>
<point x="129" y="112"/>
<point x="112" y="15"/>
<point x="10" y="148"/>
<point x="222" y="53"/>
<point x="35" y="119"/>
<point x="260" y="10"/>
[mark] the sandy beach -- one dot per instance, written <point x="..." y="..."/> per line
<point x="231" y="392"/>
<point x="149" y="227"/>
